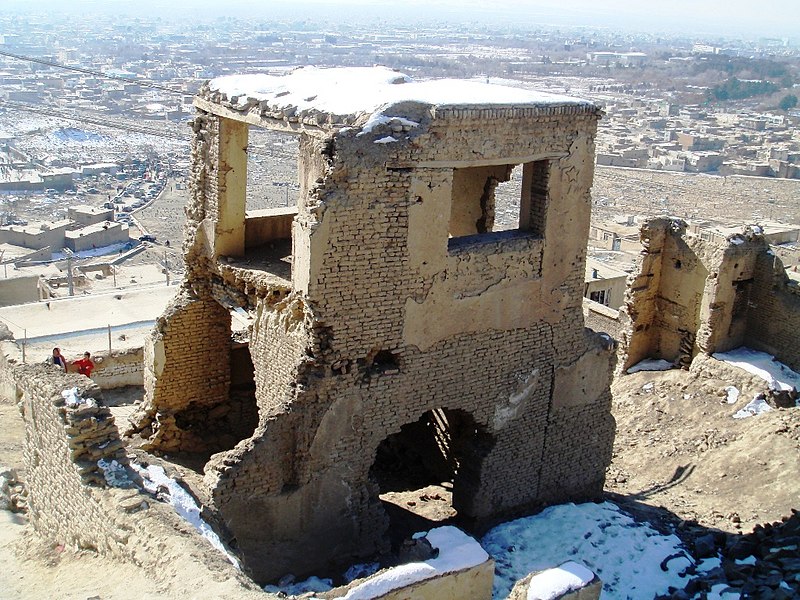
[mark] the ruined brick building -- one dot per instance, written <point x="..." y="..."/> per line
<point x="390" y="324"/>
<point x="693" y="296"/>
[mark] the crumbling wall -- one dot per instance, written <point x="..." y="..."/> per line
<point x="62" y="447"/>
<point x="187" y="374"/>
<point x="71" y="503"/>
<point x="773" y="316"/>
<point x="390" y="319"/>
<point x="118" y="369"/>
<point x="690" y="295"/>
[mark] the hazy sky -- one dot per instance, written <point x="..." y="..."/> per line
<point x="777" y="18"/>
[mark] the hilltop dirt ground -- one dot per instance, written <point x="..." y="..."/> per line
<point x="679" y="455"/>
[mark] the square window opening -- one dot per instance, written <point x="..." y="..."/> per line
<point x="499" y="198"/>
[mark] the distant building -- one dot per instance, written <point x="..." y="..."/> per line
<point x="97" y="235"/>
<point x="604" y="284"/>
<point x="89" y="215"/>
<point x="35" y="235"/>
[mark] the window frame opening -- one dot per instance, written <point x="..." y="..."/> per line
<point x="474" y="202"/>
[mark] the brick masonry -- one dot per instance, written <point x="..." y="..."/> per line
<point x="386" y="317"/>
<point x="690" y="296"/>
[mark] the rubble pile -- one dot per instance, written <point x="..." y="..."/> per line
<point x="761" y="564"/>
<point x="12" y="491"/>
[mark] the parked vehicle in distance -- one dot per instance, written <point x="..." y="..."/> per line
<point x="147" y="238"/>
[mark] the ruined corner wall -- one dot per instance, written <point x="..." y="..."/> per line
<point x="186" y="371"/>
<point x="690" y="296"/>
<point x="70" y="503"/>
<point x="773" y="320"/>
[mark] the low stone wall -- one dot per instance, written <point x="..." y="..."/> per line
<point x="118" y="369"/>
<point x="70" y="497"/>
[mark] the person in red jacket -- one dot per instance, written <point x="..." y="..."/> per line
<point x="85" y="364"/>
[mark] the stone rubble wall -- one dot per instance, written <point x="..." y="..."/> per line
<point x="70" y="503"/>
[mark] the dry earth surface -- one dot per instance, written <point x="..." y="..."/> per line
<point x="678" y="447"/>
<point x="679" y="456"/>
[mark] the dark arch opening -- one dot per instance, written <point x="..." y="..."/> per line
<point x="429" y="472"/>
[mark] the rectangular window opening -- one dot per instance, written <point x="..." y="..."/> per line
<point x="490" y="202"/>
<point x="271" y="169"/>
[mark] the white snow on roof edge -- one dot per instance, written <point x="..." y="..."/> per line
<point x="554" y="583"/>
<point x="365" y="90"/>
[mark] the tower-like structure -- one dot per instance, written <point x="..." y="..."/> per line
<point x="395" y="334"/>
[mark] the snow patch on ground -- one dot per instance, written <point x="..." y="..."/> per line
<point x="775" y="373"/>
<point x="650" y="364"/>
<point x="627" y="556"/>
<point x="731" y="394"/>
<point x="155" y="481"/>
<point x="756" y="406"/>
<point x="101" y="251"/>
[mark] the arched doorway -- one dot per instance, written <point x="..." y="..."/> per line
<point x="429" y="471"/>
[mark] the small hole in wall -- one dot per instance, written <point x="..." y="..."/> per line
<point x="385" y="361"/>
<point x="678" y="264"/>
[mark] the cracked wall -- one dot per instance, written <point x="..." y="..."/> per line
<point x="386" y="318"/>
<point x="694" y="296"/>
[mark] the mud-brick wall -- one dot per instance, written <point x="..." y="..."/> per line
<point x="601" y="318"/>
<point x="773" y="318"/>
<point x="118" y="369"/>
<point x="10" y="356"/>
<point x="70" y="504"/>
<point x="187" y="367"/>
<point x="62" y="447"/>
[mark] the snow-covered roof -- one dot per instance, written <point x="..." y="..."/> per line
<point x="342" y="94"/>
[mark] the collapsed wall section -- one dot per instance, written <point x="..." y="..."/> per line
<point x="693" y="296"/>
<point x="187" y="376"/>
<point x="72" y="499"/>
